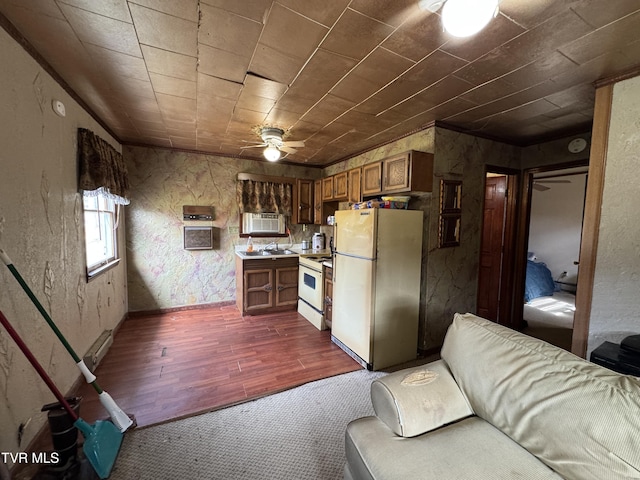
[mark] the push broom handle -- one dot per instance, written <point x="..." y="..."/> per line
<point x="37" y="366"/>
<point x="7" y="261"/>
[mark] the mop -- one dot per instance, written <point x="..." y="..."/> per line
<point x="102" y="441"/>
<point x="118" y="417"/>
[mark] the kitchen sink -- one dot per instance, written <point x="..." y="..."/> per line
<point x="267" y="253"/>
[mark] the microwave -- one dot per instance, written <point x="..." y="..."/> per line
<point x="263" y="223"/>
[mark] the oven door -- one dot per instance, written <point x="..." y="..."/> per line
<point x="310" y="286"/>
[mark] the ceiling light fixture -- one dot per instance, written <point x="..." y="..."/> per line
<point x="271" y="153"/>
<point x="463" y="18"/>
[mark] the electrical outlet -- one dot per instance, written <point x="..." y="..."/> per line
<point x="234" y="230"/>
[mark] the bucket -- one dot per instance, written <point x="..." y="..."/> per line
<point x="64" y="434"/>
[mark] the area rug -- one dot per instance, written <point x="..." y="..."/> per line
<point x="295" y="434"/>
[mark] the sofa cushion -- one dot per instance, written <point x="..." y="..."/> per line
<point x="468" y="449"/>
<point x="420" y="399"/>
<point x="580" y="419"/>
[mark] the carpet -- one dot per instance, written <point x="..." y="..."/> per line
<point x="295" y="434"/>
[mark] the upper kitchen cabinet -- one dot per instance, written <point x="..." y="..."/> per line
<point x="354" y="184"/>
<point x="411" y="171"/>
<point x="317" y="202"/>
<point x="340" y="186"/>
<point x="303" y="207"/>
<point x="372" y="179"/>
<point x="335" y="188"/>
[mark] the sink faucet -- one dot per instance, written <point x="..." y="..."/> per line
<point x="271" y="246"/>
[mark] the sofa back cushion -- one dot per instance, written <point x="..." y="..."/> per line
<point x="580" y="419"/>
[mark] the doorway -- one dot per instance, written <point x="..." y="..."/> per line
<point x="555" y="211"/>
<point x="497" y="252"/>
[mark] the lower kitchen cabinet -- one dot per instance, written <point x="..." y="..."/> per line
<point x="266" y="285"/>
<point x="328" y="295"/>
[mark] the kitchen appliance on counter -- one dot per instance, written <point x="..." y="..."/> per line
<point x="318" y="241"/>
<point x="376" y="285"/>
<point x="311" y="289"/>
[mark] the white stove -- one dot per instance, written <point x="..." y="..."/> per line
<point x="311" y="288"/>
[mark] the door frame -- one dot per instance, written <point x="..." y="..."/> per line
<point x="506" y="301"/>
<point x="523" y="231"/>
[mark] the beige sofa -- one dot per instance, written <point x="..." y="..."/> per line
<point x="498" y="405"/>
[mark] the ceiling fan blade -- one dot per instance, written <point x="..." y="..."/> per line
<point x="288" y="149"/>
<point x="255" y="146"/>
<point x="294" y="144"/>
<point x="540" y="188"/>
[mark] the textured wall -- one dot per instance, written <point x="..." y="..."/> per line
<point x="614" y="309"/>
<point x="41" y="230"/>
<point x="161" y="273"/>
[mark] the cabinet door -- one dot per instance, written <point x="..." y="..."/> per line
<point x="354" y="185"/>
<point x="396" y="174"/>
<point x="286" y="286"/>
<point x="328" y="295"/>
<point x="340" y="191"/>
<point x="305" y="207"/>
<point x="317" y="202"/>
<point x="371" y="179"/>
<point x="327" y="188"/>
<point x="258" y="289"/>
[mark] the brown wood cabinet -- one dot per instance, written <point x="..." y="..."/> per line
<point x="328" y="295"/>
<point x="317" y="202"/>
<point x="372" y="179"/>
<point x="355" y="176"/>
<point x="266" y="285"/>
<point x="340" y="186"/>
<point x="408" y="172"/>
<point x="303" y="207"/>
<point x="327" y="189"/>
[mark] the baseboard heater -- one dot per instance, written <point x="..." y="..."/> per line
<point x="98" y="350"/>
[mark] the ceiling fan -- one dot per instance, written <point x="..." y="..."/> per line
<point x="537" y="184"/>
<point x="272" y="140"/>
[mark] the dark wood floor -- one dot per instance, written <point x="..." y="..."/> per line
<point x="167" y="366"/>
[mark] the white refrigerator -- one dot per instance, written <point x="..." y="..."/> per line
<point x="376" y="288"/>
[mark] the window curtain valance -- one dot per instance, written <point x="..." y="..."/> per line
<point x="102" y="170"/>
<point x="262" y="197"/>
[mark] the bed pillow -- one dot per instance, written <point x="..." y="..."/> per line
<point x="539" y="282"/>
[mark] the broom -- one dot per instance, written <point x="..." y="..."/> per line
<point x="102" y="441"/>
<point x="118" y="417"/>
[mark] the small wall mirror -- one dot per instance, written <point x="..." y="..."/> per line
<point x="450" y="213"/>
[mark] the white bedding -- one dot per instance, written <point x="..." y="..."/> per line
<point x="554" y="311"/>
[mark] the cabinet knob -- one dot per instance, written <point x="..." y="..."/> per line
<point x="267" y="287"/>
<point x="280" y="288"/>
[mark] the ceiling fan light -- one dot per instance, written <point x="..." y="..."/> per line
<point x="463" y="18"/>
<point x="271" y="153"/>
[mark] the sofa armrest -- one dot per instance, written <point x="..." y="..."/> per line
<point x="417" y="400"/>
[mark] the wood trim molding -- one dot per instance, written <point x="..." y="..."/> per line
<point x="266" y="178"/>
<point x="591" y="221"/>
<point x="633" y="72"/>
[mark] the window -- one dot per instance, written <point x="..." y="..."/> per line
<point x="100" y="231"/>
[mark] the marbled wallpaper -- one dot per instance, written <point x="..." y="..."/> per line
<point x="41" y="229"/>
<point x="161" y="273"/>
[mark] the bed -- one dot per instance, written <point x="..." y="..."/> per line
<point x="546" y="306"/>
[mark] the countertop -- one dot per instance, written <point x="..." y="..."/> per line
<point x="296" y="251"/>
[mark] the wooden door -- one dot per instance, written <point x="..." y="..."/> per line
<point x="371" y="179"/>
<point x="305" y="207"/>
<point x="355" y="175"/>
<point x="340" y="189"/>
<point x="258" y="289"/>
<point x="317" y="202"/>
<point x="491" y="248"/>
<point x="395" y="174"/>
<point x="286" y="286"/>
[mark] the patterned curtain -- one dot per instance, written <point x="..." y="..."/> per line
<point x="102" y="170"/>
<point x="264" y="197"/>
